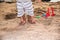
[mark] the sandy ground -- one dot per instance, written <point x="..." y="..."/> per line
<point x="44" y="29"/>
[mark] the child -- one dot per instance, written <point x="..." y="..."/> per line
<point x="25" y="6"/>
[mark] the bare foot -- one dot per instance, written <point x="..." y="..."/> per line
<point x="31" y="20"/>
<point x="22" y="23"/>
<point x="23" y="20"/>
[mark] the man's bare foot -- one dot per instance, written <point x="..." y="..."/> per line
<point x="31" y="20"/>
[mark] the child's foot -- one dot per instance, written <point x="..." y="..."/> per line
<point x="23" y="20"/>
<point x="31" y="20"/>
<point x="22" y="23"/>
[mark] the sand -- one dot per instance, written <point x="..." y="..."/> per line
<point x="44" y="29"/>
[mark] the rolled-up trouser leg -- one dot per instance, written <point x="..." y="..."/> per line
<point x="20" y="9"/>
<point x="29" y="8"/>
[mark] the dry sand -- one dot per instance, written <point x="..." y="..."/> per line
<point x="44" y="29"/>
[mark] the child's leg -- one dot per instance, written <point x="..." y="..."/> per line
<point x="29" y="10"/>
<point x="20" y="9"/>
<point x="31" y="19"/>
<point x="23" y="19"/>
<point x="21" y="12"/>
